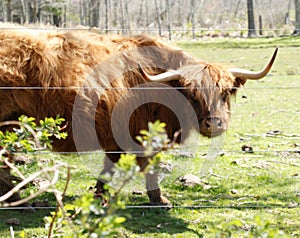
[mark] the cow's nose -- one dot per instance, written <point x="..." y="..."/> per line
<point x="213" y="123"/>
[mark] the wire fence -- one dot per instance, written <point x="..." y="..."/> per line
<point x="296" y="150"/>
<point x="195" y="207"/>
<point x="171" y="34"/>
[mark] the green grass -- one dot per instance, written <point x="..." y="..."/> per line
<point x="256" y="189"/>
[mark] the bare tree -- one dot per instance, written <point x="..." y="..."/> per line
<point x="127" y="16"/>
<point x="287" y="15"/>
<point x="147" y="15"/>
<point x="115" y="12"/>
<point x="94" y="13"/>
<point x="8" y="10"/>
<point x="122" y="17"/>
<point x="32" y="11"/>
<point x="106" y="16"/>
<point x="297" y="13"/>
<point x="193" y="17"/>
<point x="158" y="17"/>
<point x="1" y="11"/>
<point x="251" y="25"/>
<point x="237" y="8"/>
<point x="155" y="14"/>
<point x="139" y="18"/>
<point x="168" y="18"/>
<point x="81" y="12"/>
<point x="23" y="11"/>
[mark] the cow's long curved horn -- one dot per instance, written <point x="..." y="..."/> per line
<point x="163" y="77"/>
<point x="247" y="74"/>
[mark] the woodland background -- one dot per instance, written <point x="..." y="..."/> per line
<point x="170" y="18"/>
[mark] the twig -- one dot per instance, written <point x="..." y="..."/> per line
<point x="125" y="181"/>
<point x="12" y="234"/>
<point x="41" y="190"/>
<point x="8" y="123"/>
<point x="60" y="204"/>
<point x="281" y="162"/>
<point x="211" y="174"/>
<point x="13" y="168"/>
<point x="30" y="179"/>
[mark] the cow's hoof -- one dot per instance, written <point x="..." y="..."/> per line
<point x="102" y="198"/>
<point x="100" y="195"/>
<point x="163" y="201"/>
<point x="157" y="199"/>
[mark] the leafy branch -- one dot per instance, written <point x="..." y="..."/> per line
<point x="26" y="136"/>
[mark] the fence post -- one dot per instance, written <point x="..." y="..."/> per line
<point x="260" y="25"/>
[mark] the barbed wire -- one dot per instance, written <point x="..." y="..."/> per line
<point x="175" y="151"/>
<point x="175" y="207"/>
<point x="88" y="28"/>
<point x="140" y="88"/>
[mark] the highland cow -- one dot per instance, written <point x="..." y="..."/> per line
<point x="97" y="84"/>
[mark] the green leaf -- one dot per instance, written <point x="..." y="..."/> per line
<point x="120" y="220"/>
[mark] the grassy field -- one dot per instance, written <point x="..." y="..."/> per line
<point x="246" y="193"/>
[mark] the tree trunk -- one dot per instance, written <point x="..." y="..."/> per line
<point x="139" y="18"/>
<point x="31" y="12"/>
<point x="1" y="11"/>
<point x="23" y="11"/>
<point x="106" y="16"/>
<point x="81" y="12"/>
<point x="168" y="18"/>
<point x="287" y="15"/>
<point x="115" y="13"/>
<point x="237" y="8"/>
<point x="251" y="25"/>
<point x="8" y="10"/>
<point x="297" y="23"/>
<point x="179" y="14"/>
<point x="84" y="13"/>
<point x="158" y="17"/>
<point x="94" y="11"/>
<point x="193" y="17"/>
<point x="127" y="16"/>
<point x="65" y="16"/>
<point x="147" y="15"/>
<point x="122" y="18"/>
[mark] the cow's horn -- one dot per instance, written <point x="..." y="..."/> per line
<point x="247" y="74"/>
<point x="163" y="77"/>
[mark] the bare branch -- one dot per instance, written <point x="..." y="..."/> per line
<point x="29" y="180"/>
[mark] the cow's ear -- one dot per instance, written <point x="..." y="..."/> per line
<point x="239" y="82"/>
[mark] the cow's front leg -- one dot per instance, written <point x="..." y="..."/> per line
<point x="101" y="181"/>
<point x="153" y="190"/>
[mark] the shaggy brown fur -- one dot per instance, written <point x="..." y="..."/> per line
<point x="91" y="67"/>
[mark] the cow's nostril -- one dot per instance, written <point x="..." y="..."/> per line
<point x="219" y="123"/>
<point x="213" y="123"/>
<point x="207" y="123"/>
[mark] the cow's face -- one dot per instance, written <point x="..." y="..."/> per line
<point x="212" y="110"/>
<point x="208" y="87"/>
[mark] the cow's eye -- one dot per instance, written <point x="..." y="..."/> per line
<point x="194" y="95"/>
<point x="225" y="96"/>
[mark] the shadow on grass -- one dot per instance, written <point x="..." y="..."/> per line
<point x="224" y="196"/>
<point x="31" y="220"/>
<point x="27" y="220"/>
<point x="156" y="220"/>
